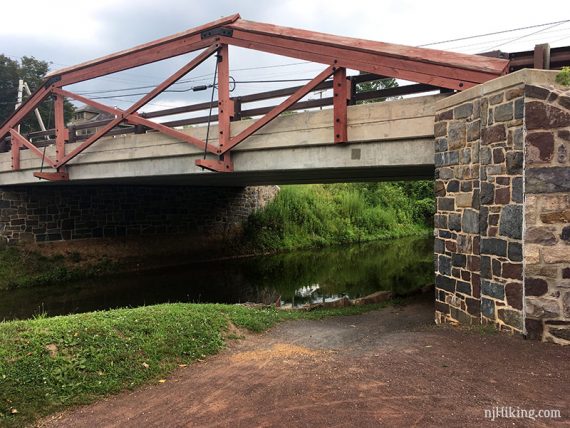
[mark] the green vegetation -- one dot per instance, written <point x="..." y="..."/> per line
<point x="563" y="78"/>
<point x="22" y="268"/>
<point x="319" y="215"/>
<point x="32" y="71"/>
<point x="47" y="364"/>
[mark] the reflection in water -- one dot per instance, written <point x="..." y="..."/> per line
<point x="297" y="277"/>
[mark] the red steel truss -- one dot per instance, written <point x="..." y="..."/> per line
<point x="426" y="66"/>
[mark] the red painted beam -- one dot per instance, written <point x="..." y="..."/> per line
<point x="158" y="50"/>
<point x="122" y="115"/>
<point x="277" y="110"/>
<point x="21" y="141"/>
<point x="341" y="95"/>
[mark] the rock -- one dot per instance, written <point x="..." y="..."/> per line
<point x="340" y="303"/>
<point x="535" y="286"/>
<point x="556" y="254"/>
<point x="511" y="221"/>
<point x="534" y="328"/>
<point x="504" y="112"/>
<point x="488" y="308"/>
<point x="511" y="317"/>
<point x="542" y="308"/>
<point x="514" y="294"/>
<point x="492" y="289"/>
<point x="470" y="221"/>
<point x="540" y="235"/>
<point x="537" y="92"/>
<point x="545" y="116"/>
<point x="541" y="146"/>
<point x="463" y="111"/>
<point x="493" y="134"/>
<point x="378" y="297"/>
<point x="494" y="246"/>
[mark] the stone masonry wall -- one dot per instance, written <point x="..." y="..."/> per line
<point x="547" y="214"/>
<point x="502" y="244"/>
<point x="479" y="200"/>
<point x="42" y="214"/>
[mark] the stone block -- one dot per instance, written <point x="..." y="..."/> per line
<point x="504" y="112"/>
<point x="540" y="235"/>
<point x="514" y="93"/>
<point x="511" y="221"/>
<point x="464" y="200"/>
<point x="487" y="193"/>
<point x="494" y="246"/>
<point x="534" y="328"/>
<point x="474" y="130"/>
<point x="512" y="270"/>
<point x="514" y="294"/>
<point x="532" y="254"/>
<point x="540" y="146"/>
<point x="515" y="161"/>
<point x="542" y="308"/>
<point x="535" y="286"/>
<point x="470" y="221"/>
<point x="517" y="190"/>
<point x="445" y="283"/>
<point x="440" y="129"/>
<point x="544" y="116"/>
<point x="553" y="217"/>
<point x="493" y="134"/>
<point x="444" y="265"/>
<point x="445" y="115"/>
<point x="492" y="289"/>
<point x="519" y="108"/>
<point x="547" y="180"/>
<point x="454" y="222"/>
<point x="537" y="92"/>
<point x="512" y="318"/>
<point x="558" y="254"/>
<point x="488" y="308"/>
<point x="445" y="204"/>
<point x="440" y="145"/>
<point x="456" y="135"/>
<point x="463" y="111"/>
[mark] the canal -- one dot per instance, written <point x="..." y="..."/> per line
<point x="293" y="278"/>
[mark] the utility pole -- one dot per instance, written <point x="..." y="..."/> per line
<point x="23" y="86"/>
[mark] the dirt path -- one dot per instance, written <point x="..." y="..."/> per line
<point x="390" y="367"/>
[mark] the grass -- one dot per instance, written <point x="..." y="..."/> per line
<point x="303" y="216"/>
<point x="22" y="268"/>
<point x="48" y="364"/>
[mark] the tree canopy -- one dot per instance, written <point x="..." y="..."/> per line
<point x="32" y="71"/>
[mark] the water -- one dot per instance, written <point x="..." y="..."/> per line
<point x="295" y="278"/>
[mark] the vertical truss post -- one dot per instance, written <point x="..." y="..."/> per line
<point x="225" y="104"/>
<point x="15" y="152"/>
<point x="225" y="114"/>
<point x="341" y="95"/>
<point x="61" y="132"/>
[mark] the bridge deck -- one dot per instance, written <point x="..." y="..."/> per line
<point x="390" y="140"/>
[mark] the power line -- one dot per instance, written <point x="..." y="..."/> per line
<point x="531" y="34"/>
<point x="493" y="33"/>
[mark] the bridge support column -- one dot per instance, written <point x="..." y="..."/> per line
<point x="502" y="228"/>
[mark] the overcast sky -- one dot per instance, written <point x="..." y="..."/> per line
<point x="66" y="32"/>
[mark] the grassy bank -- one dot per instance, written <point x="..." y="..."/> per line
<point x="48" y="364"/>
<point x="22" y="268"/>
<point x="319" y="215"/>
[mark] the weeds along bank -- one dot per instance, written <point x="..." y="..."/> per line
<point x="319" y="215"/>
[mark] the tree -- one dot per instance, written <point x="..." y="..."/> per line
<point x="32" y="71"/>
<point x="376" y="85"/>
